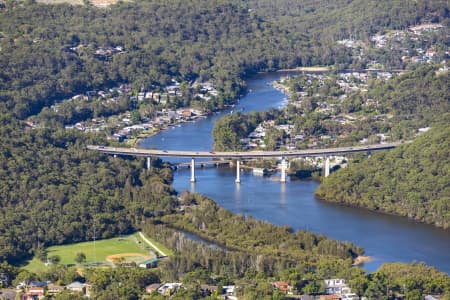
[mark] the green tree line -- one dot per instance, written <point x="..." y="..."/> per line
<point x="411" y="180"/>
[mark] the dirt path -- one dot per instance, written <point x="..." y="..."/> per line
<point x="151" y="244"/>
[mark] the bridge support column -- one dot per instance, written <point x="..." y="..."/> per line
<point x="238" y="172"/>
<point x="327" y="166"/>
<point x="149" y="162"/>
<point x="283" y="170"/>
<point x="193" y="170"/>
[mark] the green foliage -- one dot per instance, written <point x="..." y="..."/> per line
<point x="53" y="191"/>
<point x="46" y="55"/>
<point x="340" y="19"/>
<point x="411" y="180"/>
<point x="230" y="129"/>
<point x="54" y="259"/>
<point x="80" y="257"/>
<point x="414" y="280"/>
<point x="261" y="246"/>
<point x="415" y="99"/>
<point x="313" y="288"/>
<point x="124" y="283"/>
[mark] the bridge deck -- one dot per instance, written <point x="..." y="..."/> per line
<point x="242" y="155"/>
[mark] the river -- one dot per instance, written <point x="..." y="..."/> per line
<point x="386" y="238"/>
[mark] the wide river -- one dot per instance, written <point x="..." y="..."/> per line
<point x="385" y="238"/>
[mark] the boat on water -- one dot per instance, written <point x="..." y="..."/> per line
<point x="260" y="171"/>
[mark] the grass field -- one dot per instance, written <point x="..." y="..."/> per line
<point x="103" y="248"/>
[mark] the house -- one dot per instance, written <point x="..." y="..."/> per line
<point x="34" y="293"/>
<point x="168" y="289"/>
<point x="330" y="297"/>
<point x="148" y="263"/>
<point x="349" y="296"/>
<point x="78" y="287"/>
<point x="152" y="287"/>
<point x="282" y="286"/>
<point x="336" y="286"/>
<point x="118" y="137"/>
<point x="430" y="52"/>
<point x="53" y="289"/>
<point x="186" y="113"/>
<point x="229" y="290"/>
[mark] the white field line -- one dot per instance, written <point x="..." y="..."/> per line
<point x="151" y="244"/>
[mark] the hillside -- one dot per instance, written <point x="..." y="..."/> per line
<point x="410" y="181"/>
<point x="53" y="191"/>
<point x="48" y="56"/>
<point x="327" y="20"/>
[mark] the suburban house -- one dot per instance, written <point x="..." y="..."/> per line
<point x="53" y="289"/>
<point x="168" y="289"/>
<point x="79" y="287"/>
<point x="282" y="286"/>
<point x="330" y="297"/>
<point x="34" y="293"/>
<point x="336" y="286"/>
<point x="229" y="292"/>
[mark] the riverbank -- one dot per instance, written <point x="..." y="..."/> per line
<point x="136" y="140"/>
<point x="385" y="237"/>
<point x="308" y="69"/>
<point x="362" y="259"/>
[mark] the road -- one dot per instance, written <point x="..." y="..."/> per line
<point x="246" y="154"/>
<point x="151" y="244"/>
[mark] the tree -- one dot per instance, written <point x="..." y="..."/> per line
<point x="41" y="254"/>
<point x="80" y="257"/>
<point x="313" y="288"/>
<point x="54" y="259"/>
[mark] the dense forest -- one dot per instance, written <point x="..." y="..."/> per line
<point x="54" y="191"/>
<point x="411" y="180"/>
<point x="340" y="19"/>
<point x="49" y="52"/>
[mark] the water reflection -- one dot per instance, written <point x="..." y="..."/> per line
<point x="386" y="238"/>
<point x="192" y="190"/>
<point x="283" y="194"/>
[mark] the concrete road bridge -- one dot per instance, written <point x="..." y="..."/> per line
<point x="244" y="155"/>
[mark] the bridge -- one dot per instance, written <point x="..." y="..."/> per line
<point x="243" y="155"/>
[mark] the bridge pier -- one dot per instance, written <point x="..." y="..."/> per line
<point x="238" y="172"/>
<point x="327" y="166"/>
<point x="283" y="170"/>
<point x="149" y="162"/>
<point x="192" y="170"/>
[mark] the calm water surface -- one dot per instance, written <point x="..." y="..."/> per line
<point x="386" y="238"/>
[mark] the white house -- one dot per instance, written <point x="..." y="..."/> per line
<point x="336" y="286"/>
